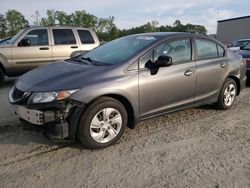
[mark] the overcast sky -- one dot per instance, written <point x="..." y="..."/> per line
<point x="129" y="13"/>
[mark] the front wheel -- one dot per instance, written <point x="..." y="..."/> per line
<point x="227" y="95"/>
<point x="102" y="124"/>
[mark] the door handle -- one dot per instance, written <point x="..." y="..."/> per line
<point x="224" y="64"/>
<point x="189" y="72"/>
<point x="74" y="47"/>
<point x="44" y="48"/>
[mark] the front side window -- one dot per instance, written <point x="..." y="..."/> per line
<point x="38" y="37"/>
<point x="179" y="50"/>
<point x="85" y="37"/>
<point x="205" y="49"/>
<point x="63" y="36"/>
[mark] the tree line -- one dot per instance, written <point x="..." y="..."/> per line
<point x="13" y="21"/>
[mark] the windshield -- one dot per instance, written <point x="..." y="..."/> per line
<point x="241" y="43"/>
<point x="15" y="37"/>
<point x="119" y="50"/>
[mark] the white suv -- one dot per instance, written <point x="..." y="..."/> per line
<point x="36" y="46"/>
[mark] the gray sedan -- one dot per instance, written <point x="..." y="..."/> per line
<point x="93" y="97"/>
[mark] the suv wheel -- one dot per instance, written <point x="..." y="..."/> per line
<point x="1" y="77"/>
<point x="102" y="124"/>
<point x="227" y="95"/>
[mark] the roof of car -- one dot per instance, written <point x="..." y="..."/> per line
<point x="163" y="34"/>
<point x="168" y="34"/>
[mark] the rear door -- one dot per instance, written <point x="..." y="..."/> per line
<point x="172" y="87"/>
<point x="212" y="69"/>
<point x="64" y="43"/>
<point x="38" y="53"/>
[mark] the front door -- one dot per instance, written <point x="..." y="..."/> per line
<point x="173" y="86"/>
<point x="36" y="54"/>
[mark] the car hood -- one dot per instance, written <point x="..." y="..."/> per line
<point x="62" y="75"/>
<point x="245" y="53"/>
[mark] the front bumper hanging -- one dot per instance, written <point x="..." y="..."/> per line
<point x="58" y="124"/>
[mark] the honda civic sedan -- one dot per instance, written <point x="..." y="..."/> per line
<point x="94" y="96"/>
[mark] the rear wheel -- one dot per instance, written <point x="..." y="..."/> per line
<point x="227" y="95"/>
<point x="102" y="124"/>
<point x="1" y="77"/>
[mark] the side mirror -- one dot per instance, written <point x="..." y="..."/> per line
<point x="24" y="42"/>
<point x="162" y="61"/>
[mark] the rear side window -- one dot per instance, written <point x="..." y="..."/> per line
<point x="205" y="49"/>
<point x="86" y="37"/>
<point x="37" y="37"/>
<point x="64" y="36"/>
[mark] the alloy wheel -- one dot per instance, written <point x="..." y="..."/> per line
<point x="229" y="94"/>
<point x="106" y="125"/>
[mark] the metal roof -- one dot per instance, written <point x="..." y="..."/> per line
<point x="231" y="19"/>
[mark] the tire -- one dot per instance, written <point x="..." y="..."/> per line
<point x="227" y="94"/>
<point x="1" y="77"/>
<point x="102" y="124"/>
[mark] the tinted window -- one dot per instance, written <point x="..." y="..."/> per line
<point x="64" y="36"/>
<point x="206" y="49"/>
<point x="221" y="51"/>
<point x="86" y="37"/>
<point x="37" y="37"/>
<point x="179" y="50"/>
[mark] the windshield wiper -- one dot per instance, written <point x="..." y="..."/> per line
<point x="88" y="59"/>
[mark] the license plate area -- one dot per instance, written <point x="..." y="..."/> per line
<point x="30" y="115"/>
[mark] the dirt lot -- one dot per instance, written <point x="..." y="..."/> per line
<point x="200" y="147"/>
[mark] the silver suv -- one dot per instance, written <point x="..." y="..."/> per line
<point x="36" y="46"/>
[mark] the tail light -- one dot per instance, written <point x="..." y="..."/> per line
<point x="244" y="61"/>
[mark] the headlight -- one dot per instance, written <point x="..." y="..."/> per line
<point x="45" y="97"/>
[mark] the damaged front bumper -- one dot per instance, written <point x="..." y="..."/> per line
<point x="58" y="120"/>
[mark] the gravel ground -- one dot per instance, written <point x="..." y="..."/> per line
<point x="200" y="147"/>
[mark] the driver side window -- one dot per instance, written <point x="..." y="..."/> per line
<point x="38" y="37"/>
<point x="179" y="50"/>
